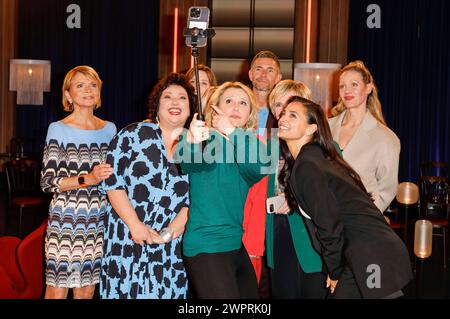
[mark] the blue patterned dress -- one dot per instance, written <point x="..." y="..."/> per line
<point x="74" y="240"/>
<point x="157" y="191"/>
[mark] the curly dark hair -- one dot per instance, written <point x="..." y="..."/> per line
<point x="171" y="79"/>
<point x="323" y="138"/>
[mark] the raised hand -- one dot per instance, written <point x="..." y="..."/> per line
<point x="198" y="131"/>
<point x="221" y="122"/>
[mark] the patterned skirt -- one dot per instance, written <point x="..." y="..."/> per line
<point x="74" y="247"/>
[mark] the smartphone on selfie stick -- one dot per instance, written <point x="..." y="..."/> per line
<point x="197" y="34"/>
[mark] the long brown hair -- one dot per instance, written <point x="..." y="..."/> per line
<point x="373" y="102"/>
<point x="323" y="138"/>
<point x="209" y="73"/>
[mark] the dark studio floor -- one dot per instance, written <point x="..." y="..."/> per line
<point x="434" y="280"/>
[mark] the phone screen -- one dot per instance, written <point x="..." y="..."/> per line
<point x="202" y="25"/>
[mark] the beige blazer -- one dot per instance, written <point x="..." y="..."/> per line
<point x="373" y="152"/>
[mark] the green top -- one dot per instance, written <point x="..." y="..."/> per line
<point x="308" y="258"/>
<point x="219" y="180"/>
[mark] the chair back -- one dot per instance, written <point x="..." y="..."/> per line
<point x="22" y="177"/>
<point x="20" y="148"/>
<point x="434" y="188"/>
<point x="30" y="257"/>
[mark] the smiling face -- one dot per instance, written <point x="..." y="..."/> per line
<point x="173" y="106"/>
<point x="353" y="91"/>
<point x="84" y="91"/>
<point x="293" y="123"/>
<point x="235" y="103"/>
<point x="264" y="74"/>
<point x="204" y="82"/>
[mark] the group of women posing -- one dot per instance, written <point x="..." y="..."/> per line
<point x="146" y="211"/>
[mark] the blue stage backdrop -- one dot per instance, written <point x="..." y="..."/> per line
<point x="119" y="38"/>
<point x="409" y="57"/>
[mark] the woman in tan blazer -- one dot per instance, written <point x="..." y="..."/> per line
<point x="367" y="144"/>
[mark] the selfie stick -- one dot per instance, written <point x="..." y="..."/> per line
<point x="195" y="33"/>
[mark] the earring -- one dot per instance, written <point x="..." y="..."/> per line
<point x="157" y="120"/>
<point x="70" y="106"/>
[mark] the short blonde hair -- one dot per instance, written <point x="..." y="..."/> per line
<point x="286" y="86"/>
<point x="252" y="122"/>
<point x="85" y="70"/>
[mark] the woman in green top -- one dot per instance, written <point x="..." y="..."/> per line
<point x="221" y="156"/>
<point x="296" y="268"/>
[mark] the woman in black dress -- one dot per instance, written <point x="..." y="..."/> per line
<point x="362" y="256"/>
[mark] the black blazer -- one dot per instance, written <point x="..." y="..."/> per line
<point x="346" y="227"/>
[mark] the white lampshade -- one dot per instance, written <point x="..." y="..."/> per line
<point x="319" y="77"/>
<point x="30" y="78"/>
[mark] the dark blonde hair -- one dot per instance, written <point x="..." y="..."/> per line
<point x="207" y="95"/>
<point x="373" y="102"/>
<point x="201" y="67"/>
<point x="252" y="121"/>
<point x="284" y="87"/>
<point x="86" y="71"/>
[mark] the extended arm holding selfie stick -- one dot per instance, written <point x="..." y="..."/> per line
<point x="195" y="35"/>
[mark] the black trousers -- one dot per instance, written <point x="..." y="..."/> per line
<point x="348" y="289"/>
<point x="227" y="275"/>
<point x="289" y="281"/>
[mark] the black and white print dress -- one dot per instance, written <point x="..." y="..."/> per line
<point x="157" y="191"/>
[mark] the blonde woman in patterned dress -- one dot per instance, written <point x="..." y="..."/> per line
<point x="73" y="166"/>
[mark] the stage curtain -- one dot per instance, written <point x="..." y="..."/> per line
<point x="117" y="38"/>
<point x="409" y="57"/>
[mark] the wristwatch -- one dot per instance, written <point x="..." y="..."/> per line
<point x="81" y="180"/>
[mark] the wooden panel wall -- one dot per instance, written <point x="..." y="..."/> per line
<point x="8" y="45"/>
<point x="329" y="34"/>
<point x="166" y="34"/>
<point x="333" y="31"/>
